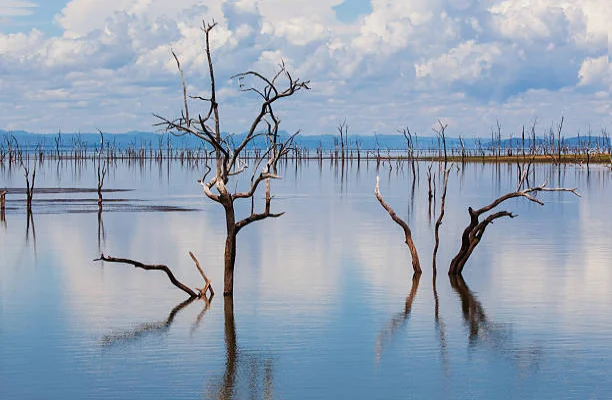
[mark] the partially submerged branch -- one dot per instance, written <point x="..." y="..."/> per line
<point x="160" y="267"/>
<point x="207" y="286"/>
<point x="416" y="265"/>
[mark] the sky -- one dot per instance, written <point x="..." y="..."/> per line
<point x="381" y="65"/>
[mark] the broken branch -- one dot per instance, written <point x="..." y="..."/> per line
<point x="416" y="265"/>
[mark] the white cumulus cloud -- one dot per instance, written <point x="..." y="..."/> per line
<point x="110" y="65"/>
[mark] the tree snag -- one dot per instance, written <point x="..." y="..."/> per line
<point x="3" y="205"/>
<point x="197" y="293"/>
<point x="230" y="159"/>
<point x="441" y="132"/>
<point x="416" y="265"/>
<point x="439" y="222"/>
<point x="3" y="199"/>
<point x="475" y="230"/>
<point x="29" y="185"/>
<point x="101" y="170"/>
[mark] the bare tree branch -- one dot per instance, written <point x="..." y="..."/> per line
<point x="158" y="267"/>
<point x="475" y="230"/>
<point x="416" y="265"/>
<point x="439" y="221"/>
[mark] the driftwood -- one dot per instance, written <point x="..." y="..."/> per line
<point x="475" y="230"/>
<point x="197" y="293"/>
<point x="416" y="265"/>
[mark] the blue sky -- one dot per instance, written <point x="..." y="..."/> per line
<point x="81" y="65"/>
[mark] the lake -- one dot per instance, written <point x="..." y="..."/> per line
<point x="325" y="305"/>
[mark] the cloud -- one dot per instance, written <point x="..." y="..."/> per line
<point x="596" y="72"/>
<point x="16" y="8"/>
<point x="467" y="62"/>
<point x="400" y="62"/>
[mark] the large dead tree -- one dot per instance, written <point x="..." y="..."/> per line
<point x="481" y="218"/>
<point x="229" y="158"/>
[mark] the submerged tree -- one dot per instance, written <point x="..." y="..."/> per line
<point x="230" y="159"/>
<point x="476" y="228"/>
<point x="473" y="233"/>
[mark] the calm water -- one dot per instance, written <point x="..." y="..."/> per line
<point x="325" y="306"/>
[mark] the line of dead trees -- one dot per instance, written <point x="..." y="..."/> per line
<point x="549" y="146"/>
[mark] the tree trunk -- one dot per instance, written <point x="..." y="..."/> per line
<point x="230" y="248"/>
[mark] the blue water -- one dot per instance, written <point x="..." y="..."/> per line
<point x="322" y="305"/>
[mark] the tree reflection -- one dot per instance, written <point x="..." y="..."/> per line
<point x="147" y="328"/>
<point x="387" y="333"/>
<point x="239" y="364"/>
<point x="485" y="333"/>
<point x="30" y="230"/>
<point x="475" y="316"/>
<point x="101" y="231"/>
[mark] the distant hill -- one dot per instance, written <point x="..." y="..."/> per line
<point x="28" y="140"/>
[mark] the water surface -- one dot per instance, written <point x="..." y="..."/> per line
<point x="325" y="305"/>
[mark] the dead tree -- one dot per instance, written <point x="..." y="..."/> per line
<point x="439" y="222"/>
<point x="559" y="130"/>
<point x="101" y="170"/>
<point x="441" y="132"/>
<point x="228" y="160"/>
<point x="29" y="185"/>
<point x="429" y="192"/>
<point x="416" y="265"/>
<point x="475" y="230"/>
<point x="343" y="130"/>
<point x="193" y="293"/>
<point x="3" y="206"/>
<point x="410" y="148"/>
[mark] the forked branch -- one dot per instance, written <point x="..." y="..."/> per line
<point x="475" y="230"/>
